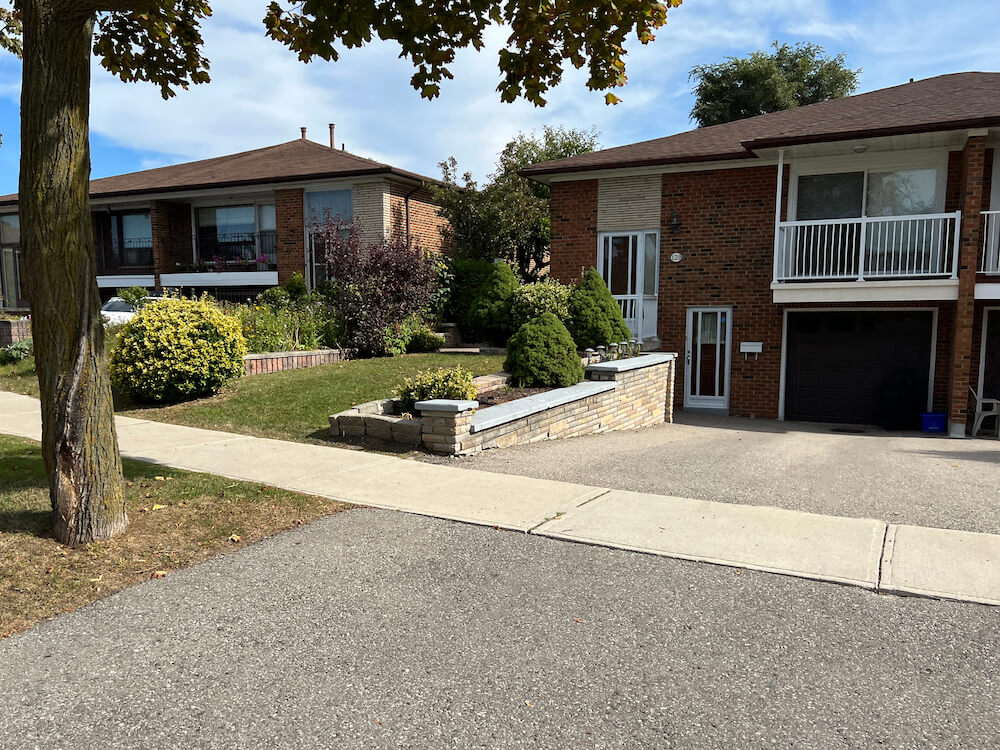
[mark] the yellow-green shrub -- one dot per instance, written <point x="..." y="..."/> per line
<point x="176" y="349"/>
<point x="455" y="383"/>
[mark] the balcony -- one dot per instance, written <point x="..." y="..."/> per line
<point x="239" y="251"/>
<point x="228" y="260"/>
<point x="130" y="256"/>
<point x="887" y="258"/>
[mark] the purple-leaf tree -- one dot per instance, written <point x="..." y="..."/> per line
<point x="376" y="284"/>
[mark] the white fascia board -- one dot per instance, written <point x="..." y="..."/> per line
<point x="988" y="290"/>
<point x="126" y="280"/>
<point x="918" y="290"/>
<point x="224" y="278"/>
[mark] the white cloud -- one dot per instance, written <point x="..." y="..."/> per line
<point x="261" y="94"/>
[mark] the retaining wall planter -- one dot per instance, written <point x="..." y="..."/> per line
<point x="12" y="331"/>
<point x="256" y="364"/>
<point x="619" y="395"/>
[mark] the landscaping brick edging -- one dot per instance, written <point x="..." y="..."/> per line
<point x="12" y="331"/>
<point x="619" y="395"/>
<point x="257" y="364"/>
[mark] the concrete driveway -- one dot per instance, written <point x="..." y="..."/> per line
<point x="902" y="478"/>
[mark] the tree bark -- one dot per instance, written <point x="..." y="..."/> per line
<point x="78" y="431"/>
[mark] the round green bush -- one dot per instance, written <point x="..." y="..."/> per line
<point x="424" y="340"/>
<point x="542" y="353"/>
<point x="595" y="317"/>
<point x="531" y="300"/>
<point x="490" y="314"/>
<point x="177" y="349"/>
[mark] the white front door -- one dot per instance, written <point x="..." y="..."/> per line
<point x="707" y="359"/>
<point x="628" y="263"/>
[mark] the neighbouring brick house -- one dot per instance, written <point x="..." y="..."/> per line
<point x="234" y="225"/>
<point x="838" y="262"/>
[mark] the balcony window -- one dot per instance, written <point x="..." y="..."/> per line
<point x="131" y="240"/>
<point x="237" y="238"/>
<point x="328" y="203"/>
<point x="852" y="195"/>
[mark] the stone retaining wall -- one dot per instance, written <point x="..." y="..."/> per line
<point x="619" y="395"/>
<point x="14" y="330"/>
<point x="256" y="364"/>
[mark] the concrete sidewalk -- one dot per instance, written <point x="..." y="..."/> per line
<point x="855" y="551"/>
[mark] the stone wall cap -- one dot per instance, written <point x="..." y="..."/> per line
<point x="494" y="416"/>
<point x="446" y="404"/>
<point x="633" y="363"/>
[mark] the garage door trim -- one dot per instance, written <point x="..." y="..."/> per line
<point x="784" y="343"/>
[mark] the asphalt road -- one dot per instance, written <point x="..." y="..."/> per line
<point x="903" y="478"/>
<point x="374" y="629"/>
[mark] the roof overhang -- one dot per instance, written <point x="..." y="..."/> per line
<point x="400" y="174"/>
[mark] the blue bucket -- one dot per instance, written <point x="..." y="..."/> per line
<point x="933" y="421"/>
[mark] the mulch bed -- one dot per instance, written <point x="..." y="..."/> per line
<point x="509" y="394"/>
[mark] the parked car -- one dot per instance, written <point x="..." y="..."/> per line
<point x="117" y="311"/>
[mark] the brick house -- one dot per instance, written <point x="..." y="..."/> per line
<point x="234" y="225"/>
<point x="838" y="262"/>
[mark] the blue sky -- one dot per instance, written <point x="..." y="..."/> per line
<point x="260" y="94"/>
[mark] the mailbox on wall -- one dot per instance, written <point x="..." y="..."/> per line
<point x="751" y="347"/>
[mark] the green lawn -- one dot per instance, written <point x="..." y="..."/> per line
<point x="176" y="519"/>
<point x="292" y="405"/>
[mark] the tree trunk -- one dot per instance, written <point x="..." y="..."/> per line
<point x="78" y="431"/>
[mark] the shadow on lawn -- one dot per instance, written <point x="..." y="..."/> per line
<point x="22" y="476"/>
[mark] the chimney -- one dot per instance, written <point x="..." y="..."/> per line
<point x="303" y="133"/>
<point x="333" y="143"/>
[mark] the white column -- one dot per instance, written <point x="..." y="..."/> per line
<point x="777" y="213"/>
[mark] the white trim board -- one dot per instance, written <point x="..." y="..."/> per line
<point x="988" y="290"/>
<point x="916" y="290"/>
<point x="126" y="280"/>
<point x="784" y="345"/>
<point x="218" y="279"/>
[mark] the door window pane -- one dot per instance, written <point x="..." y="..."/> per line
<point x="649" y="280"/>
<point x="332" y="203"/>
<point x="830" y="196"/>
<point x="902" y="193"/>
<point x="620" y="251"/>
<point x="10" y="229"/>
<point x="136" y="229"/>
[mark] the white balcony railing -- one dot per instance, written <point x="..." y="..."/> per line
<point x="989" y="262"/>
<point x="868" y="248"/>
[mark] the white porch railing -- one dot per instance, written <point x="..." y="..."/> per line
<point x="989" y="262"/>
<point x="868" y="248"/>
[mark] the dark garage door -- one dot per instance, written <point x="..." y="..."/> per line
<point x="858" y="367"/>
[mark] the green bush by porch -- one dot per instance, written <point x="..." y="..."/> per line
<point x="542" y="353"/>
<point x="595" y="317"/>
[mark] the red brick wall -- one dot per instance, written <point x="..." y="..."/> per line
<point x="172" y="240"/>
<point x="726" y="236"/>
<point x="289" y="210"/>
<point x="574" y="228"/>
<point x="425" y="224"/>
<point x="972" y="195"/>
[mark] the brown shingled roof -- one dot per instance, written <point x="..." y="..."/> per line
<point x="296" y="160"/>
<point x="947" y="102"/>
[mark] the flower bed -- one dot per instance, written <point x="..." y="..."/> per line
<point x="617" y="395"/>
